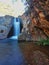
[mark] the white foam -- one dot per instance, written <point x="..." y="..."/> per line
<point x="14" y="37"/>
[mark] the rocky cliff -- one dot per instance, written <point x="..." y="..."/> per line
<point x="36" y="20"/>
<point x="6" y="23"/>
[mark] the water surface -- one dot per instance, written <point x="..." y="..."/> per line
<point x="10" y="53"/>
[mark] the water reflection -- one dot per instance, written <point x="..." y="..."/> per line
<point x="10" y="53"/>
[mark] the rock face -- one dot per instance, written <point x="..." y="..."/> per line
<point x="6" y="23"/>
<point x="35" y="20"/>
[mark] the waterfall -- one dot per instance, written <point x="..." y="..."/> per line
<point x="16" y="28"/>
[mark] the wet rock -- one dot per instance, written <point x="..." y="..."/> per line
<point x="25" y="36"/>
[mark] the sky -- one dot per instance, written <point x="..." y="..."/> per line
<point x="11" y="7"/>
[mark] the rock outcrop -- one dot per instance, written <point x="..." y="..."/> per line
<point x="36" y="19"/>
<point x="6" y="23"/>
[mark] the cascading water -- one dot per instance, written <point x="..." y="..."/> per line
<point x="16" y="26"/>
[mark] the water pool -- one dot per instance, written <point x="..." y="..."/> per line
<point x="10" y="53"/>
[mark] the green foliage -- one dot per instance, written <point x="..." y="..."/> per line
<point x="43" y="42"/>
